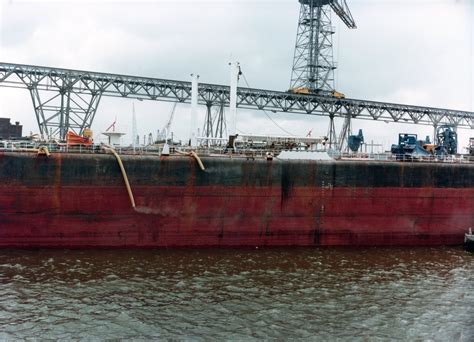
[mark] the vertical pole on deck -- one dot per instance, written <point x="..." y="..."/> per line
<point x="194" y="104"/>
<point x="234" y="77"/>
<point x="134" y="128"/>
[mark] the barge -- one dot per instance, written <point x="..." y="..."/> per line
<point x="85" y="200"/>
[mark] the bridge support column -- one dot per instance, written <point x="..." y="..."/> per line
<point x="207" y="131"/>
<point x="64" y="111"/>
<point x="332" y="142"/>
<point x="221" y="126"/>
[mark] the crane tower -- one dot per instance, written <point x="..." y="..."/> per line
<point x="313" y="64"/>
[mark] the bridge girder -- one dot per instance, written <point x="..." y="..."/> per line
<point x="82" y="91"/>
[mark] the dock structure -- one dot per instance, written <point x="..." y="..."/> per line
<point x="65" y="99"/>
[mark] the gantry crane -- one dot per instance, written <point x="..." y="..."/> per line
<point x="313" y="63"/>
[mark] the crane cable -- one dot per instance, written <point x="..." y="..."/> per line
<point x="268" y="116"/>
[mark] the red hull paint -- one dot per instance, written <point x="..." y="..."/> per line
<point x="229" y="216"/>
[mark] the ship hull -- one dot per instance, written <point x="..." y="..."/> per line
<point x="80" y="201"/>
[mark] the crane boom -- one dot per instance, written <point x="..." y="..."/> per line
<point x="343" y="12"/>
<point x="166" y="130"/>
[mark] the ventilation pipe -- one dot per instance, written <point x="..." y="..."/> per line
<point x="194" y="104"/>
<point x="234" y="77"/>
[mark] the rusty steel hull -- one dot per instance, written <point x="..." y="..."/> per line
<point x="80" y="201"/>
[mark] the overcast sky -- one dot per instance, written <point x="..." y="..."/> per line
<point x="404" y="51"/>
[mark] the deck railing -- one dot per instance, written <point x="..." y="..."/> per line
<point x="249" y="153"/>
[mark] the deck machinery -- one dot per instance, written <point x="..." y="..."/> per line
<point x="409" y="147"/>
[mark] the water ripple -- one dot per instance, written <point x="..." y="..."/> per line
<point x="330" y="294"/>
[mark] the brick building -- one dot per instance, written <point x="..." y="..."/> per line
<point x="8" y="131"/>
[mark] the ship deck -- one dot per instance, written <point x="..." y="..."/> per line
<point x="222" y="152"/>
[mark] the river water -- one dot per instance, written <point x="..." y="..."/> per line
<point x="326" y="294"/>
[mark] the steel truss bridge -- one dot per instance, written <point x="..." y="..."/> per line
<point x="66" y="99"/>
